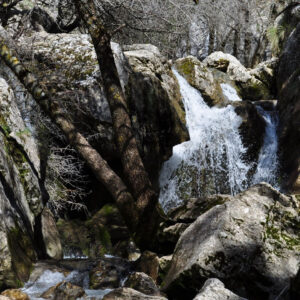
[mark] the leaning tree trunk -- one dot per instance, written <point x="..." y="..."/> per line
<point x="98" y="165"/>
<point x="133" y="167"/>
<point x="142" y="220"/>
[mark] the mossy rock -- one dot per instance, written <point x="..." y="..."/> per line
<point x="22" y="254"/>
<point x="92" y="240"/>
<point x="206" y="80"/>
<point x="95" y="236"/>
<point x="254" y="90"/>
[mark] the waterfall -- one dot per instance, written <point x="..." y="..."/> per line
<point x="267" y="166"/>
<point x="211" y="162"/>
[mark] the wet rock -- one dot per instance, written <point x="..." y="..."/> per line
<point x="214" y="289"/>
<point x="41" y="266"/>
<point x="251" y="243"/>
<point x="252" y="130"/>
<point x="143" y="283"/>
<point x="206" y="80"/>
<point x="51" y="235"/>
<point x="109" y="272"/>
<point x="268" y="105"/>
<point x="64" y="290"/>
<point x="288" y="85"/>
<point x="128" y="293"/>
<point x="250" y="87"/>
<point x="15" y="294"/>
<point x="148" y="263"/>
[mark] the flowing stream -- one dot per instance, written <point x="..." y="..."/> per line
<point x="212" y="161"/>
<point x="51" y="278"/>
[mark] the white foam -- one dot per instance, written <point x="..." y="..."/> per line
<point x="215" y="148"/>
<point x="230" y="92"/>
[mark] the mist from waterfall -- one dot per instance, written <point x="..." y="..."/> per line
<point x="211" y="162"/>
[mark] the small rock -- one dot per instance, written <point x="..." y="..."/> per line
<point x="148" y="263"/>
<point x="165" y="262"/>
<point x="109" y="272"/>
<point x="214" y="289"/>
<point x="64" y="290"/>
<point x="128" y="293"/>
<point x="51" y="235"/>
<point x="142" y="283"/>
<point x="15" y="294"/>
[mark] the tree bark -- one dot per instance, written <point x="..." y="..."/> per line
<point x="133" y="167"/>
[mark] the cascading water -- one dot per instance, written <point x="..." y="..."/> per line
<point x="267" y="166"/>
<point x="50" y="278"/>
<point x="211" y="162"/>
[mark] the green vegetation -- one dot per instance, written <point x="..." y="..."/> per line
<point x="275" y="35"/>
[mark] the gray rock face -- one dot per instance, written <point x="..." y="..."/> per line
<point x="288" y="85"/>
<point x="214" y="289"/>
<point x="250" y="83"/>
<point x="251" y="243"/>
<point x="20" y="192"/>
<point x="128" y="293"/>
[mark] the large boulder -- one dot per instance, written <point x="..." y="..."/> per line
<point x="288" y="85"/>
<point x="214" y="289"/>
<point x="252" y="84"/>
<point x="64" y="290"/>
<point x="250" y="243"/>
